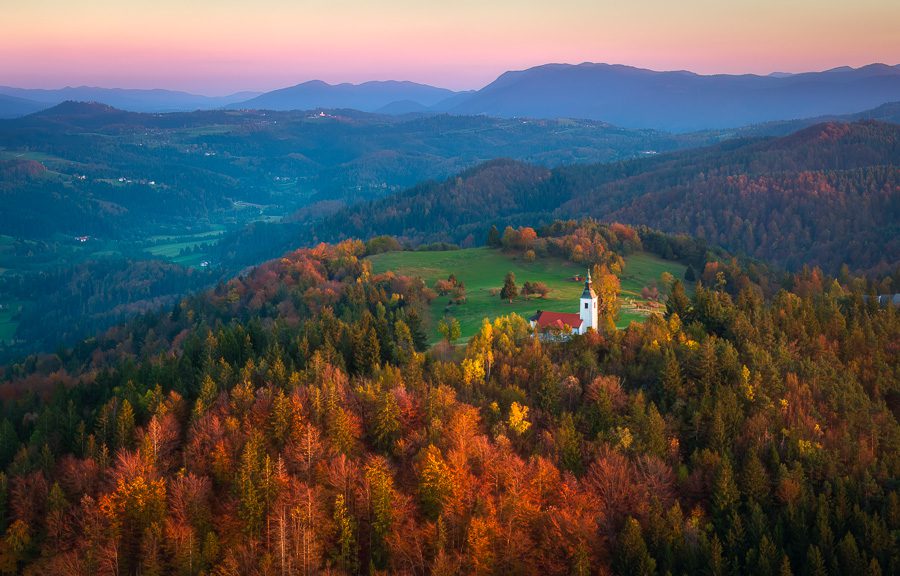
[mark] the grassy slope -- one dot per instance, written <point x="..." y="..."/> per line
<point x="482" y="269"/>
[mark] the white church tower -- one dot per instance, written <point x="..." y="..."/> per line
<point x="588" y="307"/>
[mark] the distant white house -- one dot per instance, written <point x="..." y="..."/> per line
<point x="574" y="323"/>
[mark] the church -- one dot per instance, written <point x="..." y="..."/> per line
<point x="575" y="323"/>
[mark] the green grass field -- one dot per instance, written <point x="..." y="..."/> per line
<point x="482" y="269"/>
<point x="170" y="247"/>
<point x="172" y="250"/>
<point x="7" y="324"/>
<point x="30" y="155"/>
<point x="209" y="234"/>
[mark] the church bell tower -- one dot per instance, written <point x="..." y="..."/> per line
<point x="588" y="307"/>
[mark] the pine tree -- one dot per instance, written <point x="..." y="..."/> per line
<point x="725" y="492"/>
<point x="208" y="393"/>
<point x="340" y="430"/>
<point x="785" y="566"/>
<point x="381" y="490"/>
<point x="404" y="346"/>
<point x="125" y="425"/>
<point x="708" y="364"/>
<point x="493" y="237"/>
<point x="678" y="302"/>
<point x="815" y="564"/>
<point x="735" y="536"/>
<point x="653" y="431"/>
<point x="346" y="536"/>
<point x="251" y="500"/>
<point x="419" y="337"/>
<point x="509" y="290"/>
<point x="568" y="444"/>
<point x="366" y="349"/>
<point x="631" y="555"/>
<point x="672" y="381"/>
<point x="849" y="556"/>
<point x="716" y="559"/>
<point x="766" y="558"/>
<point x="755" y="479"/>
<point x="282" y="418"/>
<point x="387" y="421"/>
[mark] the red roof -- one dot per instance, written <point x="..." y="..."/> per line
<point x="559" y="320"/>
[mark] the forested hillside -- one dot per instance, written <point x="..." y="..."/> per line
<point x="96" y="188"/>
<point x="115" y="168"/>
<point x="292" y="421"/>
<point x="827" y="195"/>
<point x="188" y="198"/>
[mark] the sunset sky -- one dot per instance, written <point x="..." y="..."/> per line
<point x="222" y="46"/>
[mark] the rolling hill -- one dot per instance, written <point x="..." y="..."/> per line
<point x="483" y="269"/>
<point x="827" y="195"/>
<point x="889" y="113"/>
<point x="14" y="107"/>
<point x="228" y="188"/>
<point x="199" y="163"/>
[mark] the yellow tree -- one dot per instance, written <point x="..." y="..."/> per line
<point x="482" y="345"/>
<point x="607" y="287"/>
<point x="435" y="482"/>
<point x="518" y="418"/>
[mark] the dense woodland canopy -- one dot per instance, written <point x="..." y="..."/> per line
<point x="88" y="297"/>
<point x="292" y="421"/>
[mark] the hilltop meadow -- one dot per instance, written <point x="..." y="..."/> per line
<point x="482" y="270"/>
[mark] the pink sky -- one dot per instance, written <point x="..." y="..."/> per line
<point x="222" y="46"/>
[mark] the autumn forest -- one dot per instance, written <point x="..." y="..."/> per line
<point x="294" y="421"/>
<point x="371" y="288"/>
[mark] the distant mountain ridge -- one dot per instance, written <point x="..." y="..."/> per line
<point x="366" y="97"/>
<point x="680" y="101"/>
<point x="625" y="96"/>
<point x="132" y="100"/>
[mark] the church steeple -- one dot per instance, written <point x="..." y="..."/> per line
<point x="588" y="287"/>
<point x="588" y="306"/>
